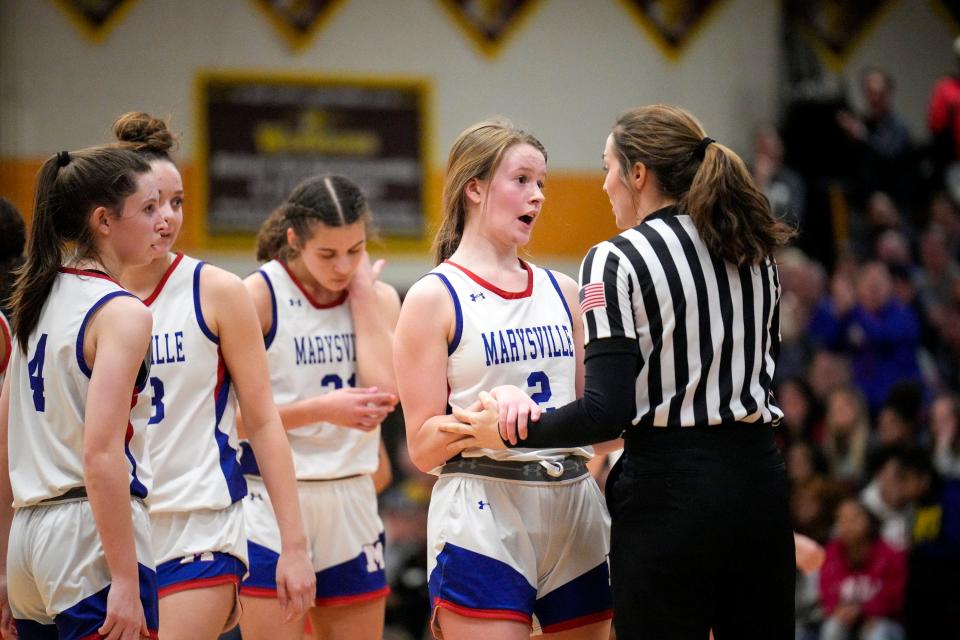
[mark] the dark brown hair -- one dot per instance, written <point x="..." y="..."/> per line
<point x="476" y="153"/>
<point x="145" y="134"/>
<point x="69" y="187"/>
<point x="334" y="201"/>
<point x="13" y="238"/>
<point x="731" y="214"/>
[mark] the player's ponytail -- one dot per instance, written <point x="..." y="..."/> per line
<point x="475" y="154"/>
<point x="70" y="185"/>
<point x="331" y="200"/>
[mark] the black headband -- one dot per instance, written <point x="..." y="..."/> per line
<point x="701" y="149"/>
<point x="63" y="158"/>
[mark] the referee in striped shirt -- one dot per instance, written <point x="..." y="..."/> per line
<point x="681" y="313"/>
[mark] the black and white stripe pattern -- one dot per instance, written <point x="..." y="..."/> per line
<point x="708" y="332"/>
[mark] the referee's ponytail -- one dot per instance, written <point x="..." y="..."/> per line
<point x="709" y="180"/>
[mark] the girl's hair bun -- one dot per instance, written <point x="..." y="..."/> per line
<point x="144" y="133"/>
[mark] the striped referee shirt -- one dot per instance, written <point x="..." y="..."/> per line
<point x="708" y="332"/>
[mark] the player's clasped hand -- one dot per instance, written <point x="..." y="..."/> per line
<point x="478" y="424"/>
<point x="362" y="408"/>
<point x="125" y="619"/>
<point x="516" y="410"/>
<point x="296" y="584"/>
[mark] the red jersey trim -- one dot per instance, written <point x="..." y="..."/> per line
<point x="509" y="295"/>
<point x="489" y="614"/>
<point x="582" y="621"/>
<point x="336" y="303"/>
<point x="358" y="597"/>
<point x="7" y="340"/>
<point x="198" y="583"/>
<point x="258" y="592"/>
<point x="166" y="276"/>
<point x="87" y="272"/>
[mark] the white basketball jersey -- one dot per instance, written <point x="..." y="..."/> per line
<point x="192" y="430"/>
<point x="311" y="349"/>
<point x="48" y="395"/>
<point x="524" y="339"/>
<point x="7" y="339"/>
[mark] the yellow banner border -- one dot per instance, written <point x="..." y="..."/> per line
<point x="243" y="241"/>
<point x="96" y="35"/>
<point x="491" y="50"/>
<point x="295" y="40"/>
<point x="836" y="63"/>
<point x="669" y="51"/>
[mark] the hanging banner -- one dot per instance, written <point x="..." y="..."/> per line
<point x="260" y="135"/>
<point x="950" y="10"/>
<point x="298" y="21"/>
<point x="671" y="23"/>
<point x="835" y="28"/>
<point x="489" y="23"/>
<point x="95" y="18"/>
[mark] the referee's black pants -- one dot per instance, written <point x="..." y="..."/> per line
<point x="701" y="535"/>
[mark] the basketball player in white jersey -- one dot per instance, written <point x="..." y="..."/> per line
<point x="517" y="539"/>
<point x="76" y="558"/>
<point x="205" y="355"/>
<point x="328" y="326"/>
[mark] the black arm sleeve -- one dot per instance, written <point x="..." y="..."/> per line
<point x="607" y="407"/>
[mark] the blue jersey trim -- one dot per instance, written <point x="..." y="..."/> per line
<point x="81" y="361"/>
<point x="177" y="575"/>
<point x="268" y="339"/>
<point x="458" y="332"/>
<point x="196" y="306"/>
<point x="472" y="580"/>
<point x="586" y="595"/>
<point x="229" y="465"/>
<point x="84" y="618"/>
<point x="556" y="285"/>
<point x="137" y="488"/>
<point x="248" y="461"/>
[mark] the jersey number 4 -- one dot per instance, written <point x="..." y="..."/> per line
<point x="35" y="373"/>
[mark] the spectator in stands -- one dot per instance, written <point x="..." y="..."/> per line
<point x="862" y="580"/>
<point x="883" y="139"/>
<point x="875" y="330"/>
<point x="846" y="433"/>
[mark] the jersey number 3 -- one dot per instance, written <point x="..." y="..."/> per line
<point x="156" y="401"/>
<point x="35" y="373"/>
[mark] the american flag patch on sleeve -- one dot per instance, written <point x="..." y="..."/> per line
<point x="592" y="296"/>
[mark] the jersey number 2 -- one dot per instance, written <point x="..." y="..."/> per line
<point x="539" y="380"/>
<point x="35" y="373"/>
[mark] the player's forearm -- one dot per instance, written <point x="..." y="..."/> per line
<point x="273" y="455"/>
<point x="374" y="339"/>
<point x="106" y="479"/>
<point x="428" y="446"/>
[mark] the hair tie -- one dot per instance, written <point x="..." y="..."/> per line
<point x="63" y="158"/>
<point x="701" y="149"/>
